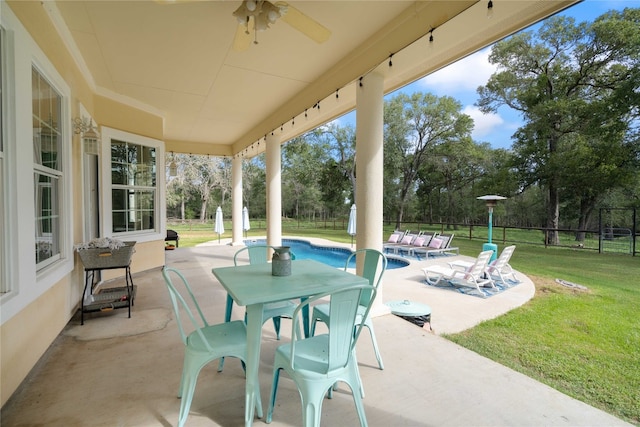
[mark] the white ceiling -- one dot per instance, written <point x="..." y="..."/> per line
<point x="175" y="58"/>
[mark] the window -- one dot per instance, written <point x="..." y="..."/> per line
<point x="133" y="187"/>
<point x="47" y="169"/>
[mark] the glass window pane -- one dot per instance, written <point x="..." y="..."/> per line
<point x="47" y="151"/>
<point x="133" y="186"/>
<point x="46" y="122"/>
<point x="119" y="222"/>
<point x="118" y="163"/>
<point x="35" y="95"/>
<point x="47" y="217"/>
<point x="119" y="199"/>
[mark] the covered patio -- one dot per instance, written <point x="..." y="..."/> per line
<point x="87" y="83"/>
<point x="120" y="371"/>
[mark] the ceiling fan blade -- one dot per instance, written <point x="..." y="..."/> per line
<point x="306" y="25"/>
<point x="243" y="38"/>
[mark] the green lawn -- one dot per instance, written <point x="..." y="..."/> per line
<point x="585" y="344"/>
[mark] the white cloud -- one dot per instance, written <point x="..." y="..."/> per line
<point x="484" y="124"/>
<point x="465" y="75"/>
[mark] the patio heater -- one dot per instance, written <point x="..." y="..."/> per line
<point x="491" y="201"/>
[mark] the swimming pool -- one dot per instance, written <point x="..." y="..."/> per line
<point x="335" y="257"/>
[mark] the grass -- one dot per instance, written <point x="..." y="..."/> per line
<point x="583" y="343"/>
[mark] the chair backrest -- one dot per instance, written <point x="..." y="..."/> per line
<point x="343" y="308"/>
<point x="480" y="264"/>
<point x="504" y="258"/>
<point x="427" y="238"/>
<point x="419" y="241"/>
<point x="375" y="264"/>
<point x="395" y="237"/>
<point x="446" y="240"/>
<point x="180" y="306"/>
<point x="257" y="254"/>
<point x="408" y="238"/>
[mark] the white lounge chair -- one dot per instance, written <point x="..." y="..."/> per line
<point x="422" y="240"/>
<point x="475" y="276"/>
<point x="407" y="240"/>
<point x="440" y="244"/>
<point x="499" y="269"/>
<point x="394" y="239"/>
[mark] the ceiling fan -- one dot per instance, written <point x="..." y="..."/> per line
<point x="254" y="16"/>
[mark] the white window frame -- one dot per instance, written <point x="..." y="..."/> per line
<point x="58" y="178"/>
<point x="24" y="284"/>
<point x="159" y="210"/>
<point x="4" y="58"/>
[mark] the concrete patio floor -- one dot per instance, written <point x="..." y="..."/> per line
<point x="116" y="371"/>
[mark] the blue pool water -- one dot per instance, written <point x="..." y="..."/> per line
<point x="335" y="257"/>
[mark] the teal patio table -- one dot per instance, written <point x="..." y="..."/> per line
<point x="254" y="285"/>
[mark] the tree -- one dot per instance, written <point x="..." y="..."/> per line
<point x="338" y="176"/>
<point x="205" y="174"/>
<point x="300" y="176"/>
<point x="453" y="169"/>
<point x="415" y="124"/>
<point x="254" y="192"/>
<point x="576" y="86"/>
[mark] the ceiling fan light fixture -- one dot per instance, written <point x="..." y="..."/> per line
<point x="265" y="14"/>
<point x="251" y="5"/>
<point x="242" y="14"/>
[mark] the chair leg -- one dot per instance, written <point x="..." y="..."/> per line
<point x="312" y="332"/>
<point x="276" y="326"/>
<point x="227" y="318"/>
<point x="357" y="399"/>
<point x="181" y="382"/>
<point x="190" y="377"/>
<point x="369" y="325"/>
<point x="311" y="411"/>
<point x="433" y="282"/>
<point x="356" y="374"/>
<point x="272" y="400"/>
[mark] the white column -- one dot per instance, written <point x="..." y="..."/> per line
<point x="236" y="200"/>
<point x="274" y="190"/>
<point x="369" y="168"/>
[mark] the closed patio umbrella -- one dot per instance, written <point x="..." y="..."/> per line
<point x="245" y="221"/>
<point x="219" y="227"/>
<point x="351" y="227"/>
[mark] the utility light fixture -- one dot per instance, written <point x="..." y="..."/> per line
<point x="491" y="200"/>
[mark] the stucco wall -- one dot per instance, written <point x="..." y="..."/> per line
<point x="35" y="310"/>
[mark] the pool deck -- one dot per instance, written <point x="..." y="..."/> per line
<point x="119" y="371"/>
<point x="451" y="311"/>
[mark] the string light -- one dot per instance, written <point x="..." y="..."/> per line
<point x="490" y="9"/>
<point x="360" y="82"/>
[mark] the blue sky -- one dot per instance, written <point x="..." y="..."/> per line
<point x="456" y="80"/>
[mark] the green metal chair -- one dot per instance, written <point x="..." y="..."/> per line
<point x="258" y="255"/>
<point x="315" y="364"/>
<point x="204" y="344"/>
<point x="375" y="264"/>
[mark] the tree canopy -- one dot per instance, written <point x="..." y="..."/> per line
<point x="577" y="89"/>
